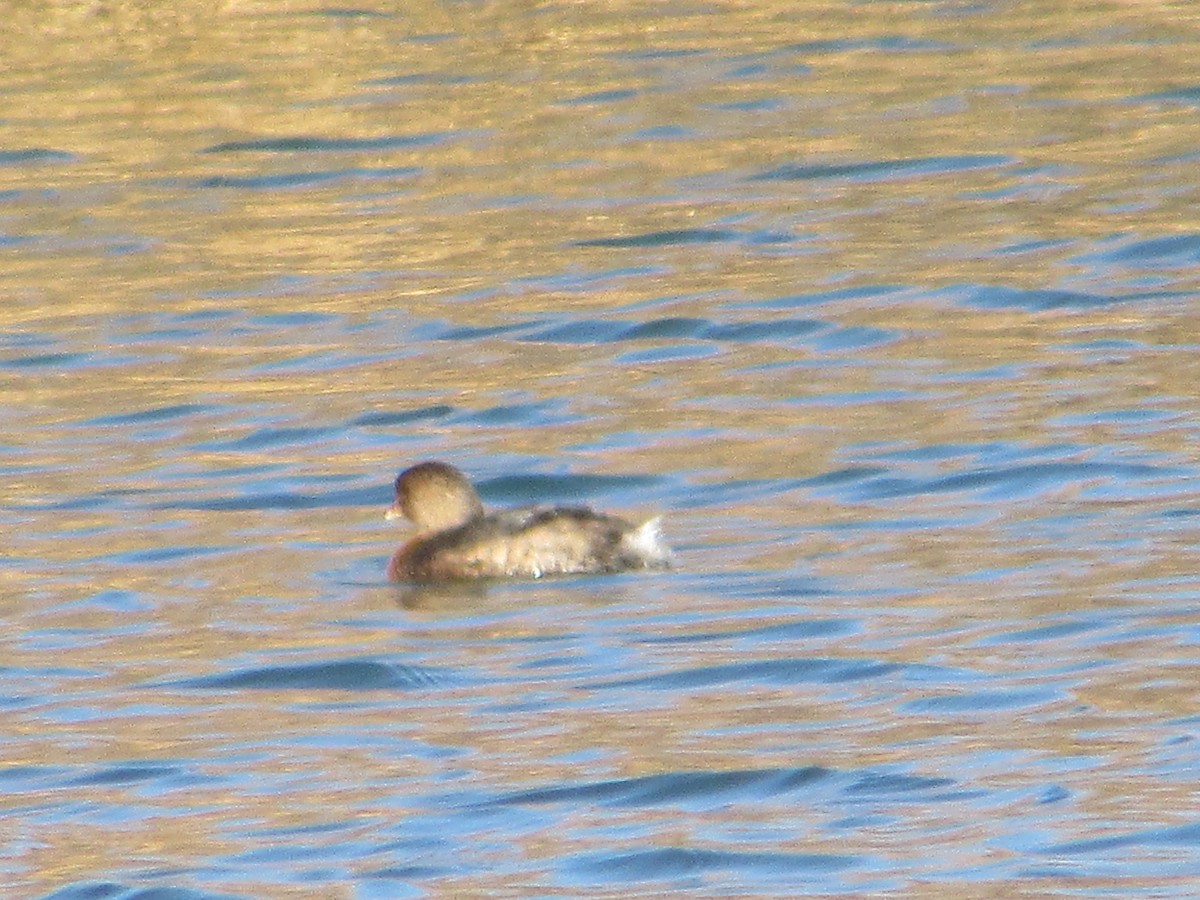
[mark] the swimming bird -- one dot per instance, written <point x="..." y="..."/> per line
<point x="457" y="539"/>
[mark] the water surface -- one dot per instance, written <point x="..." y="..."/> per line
<point x="891" y="309"/>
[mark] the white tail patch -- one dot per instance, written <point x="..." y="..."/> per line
<point x="646" y="543"/>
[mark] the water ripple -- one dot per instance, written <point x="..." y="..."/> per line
<point x="1001" y="297"/>
<point x="333" y="675"/>
<point x="35" y="155"/>
<point x="280" y="180"/>
<point x="1178" y="836"/>
<point x="1024" y="480"/>
<point x="874" y="313"/>
<point x="769" y="671"/>
<point x="127" y="773"/>
<point x="675" y="330"/>
<point x="1179" y="250"/>
<point x="153" y="414"/>
<point x="108" y="890"/>
<point x="401" y="417"/>
<point x="263" y="497"/>
<point x="706" y="788"/>
<point x="684" y="236"/>
<point x="676" y="862"/>
<point x="314" y="144"/>
<point x="885" y="170"/>
<point x="983" y="701"/>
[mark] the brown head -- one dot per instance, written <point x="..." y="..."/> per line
<point x="435" y="496"/>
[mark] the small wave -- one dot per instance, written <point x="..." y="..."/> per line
<point x="34" y="155"/>
<point x="597" y="97"/>
<point x="1000" y="297"/>
<point x="783" y="330"/>
<point x="545" y="488"/>
<point x="1178" y="836"/>
<point x="336" y="675"/>
<point x="808" y="628"/>
<point x="675" y="862"/>
<point x="280" y="499"/>
<point x="768" y="671"/>
<point x="1174" y="251"/>
<point x="265" y="438"/>
<point x="303" y="179"/>
<point x="152" y="414"/>
<point x="1188" y="95"/>
<point x="884" y="170"/>
<point x="1026" y="479"/>
<point x="313" y="144"/>
<point x="109" y="890"/>
<point x="984" y="702"/>
<point x="126" y="773"/>
<point x="674" y="787"/>
<point x="402" y="417"/>
<point x="684" y="236"/>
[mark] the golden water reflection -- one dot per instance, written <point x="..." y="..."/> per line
<point x="255" y="258"/>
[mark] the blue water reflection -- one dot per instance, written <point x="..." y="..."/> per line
<point x="890" y="311"/>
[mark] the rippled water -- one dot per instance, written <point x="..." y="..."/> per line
<point x="891" y="309"/>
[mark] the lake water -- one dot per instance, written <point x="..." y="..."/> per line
<point x="891" y="309"/>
